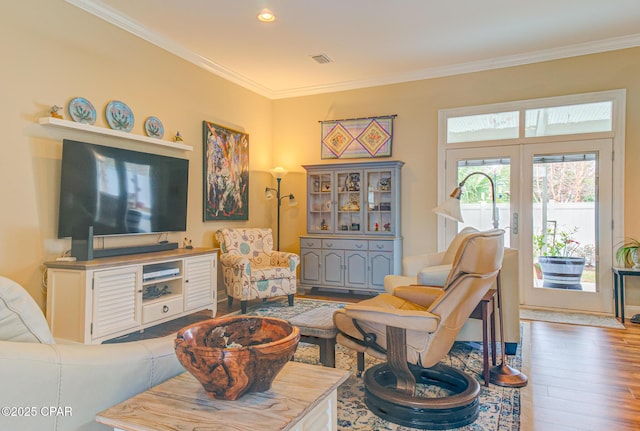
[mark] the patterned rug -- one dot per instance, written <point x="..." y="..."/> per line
<point x="499" y="407"/>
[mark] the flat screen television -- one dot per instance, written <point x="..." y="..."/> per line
<point x="120" y="192"/>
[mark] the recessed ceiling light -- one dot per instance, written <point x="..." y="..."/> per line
<point x="266" y="15"/>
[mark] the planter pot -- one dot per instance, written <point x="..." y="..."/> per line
<point x="635" y="258"/>
<point x="562" y="272"/>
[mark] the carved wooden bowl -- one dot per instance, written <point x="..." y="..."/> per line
<point x="233" y="355"/>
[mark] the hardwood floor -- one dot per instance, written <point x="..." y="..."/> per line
<point x="581" y="378"/>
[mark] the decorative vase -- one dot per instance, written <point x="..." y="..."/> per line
<point x="561" y="272"/>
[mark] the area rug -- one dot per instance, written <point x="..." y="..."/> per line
<point x="585" y="319"/>
<point x="499" y="407"/>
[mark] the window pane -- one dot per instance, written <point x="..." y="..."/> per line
<point x="484" y="127"/>
<point x="564" y="221"/>
<point x="476" y="204"/>
<point x="566" y="120"/>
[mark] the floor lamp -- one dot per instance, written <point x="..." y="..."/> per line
<point x="503" y="374"/>
<point x="279" y="173"/>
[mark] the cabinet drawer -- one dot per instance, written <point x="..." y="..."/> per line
<point x="381" y="245"/>
<point x="344" y="244"/>
<point x="161" y="309"/>
<point x="310" y="243"/>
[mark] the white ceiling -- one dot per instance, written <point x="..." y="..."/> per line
<point x="370" y="42"/>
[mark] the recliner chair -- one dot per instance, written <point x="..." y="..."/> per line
<point x="413" y="329"/>
<point x="431" y="269"/>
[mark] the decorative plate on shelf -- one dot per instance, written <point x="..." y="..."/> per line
<point x="154" y="127"/>
<point x="82" y="111"/>
<point x="119" y="116"/>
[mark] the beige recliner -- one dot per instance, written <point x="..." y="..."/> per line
<point x="431" y="269"/>
<point x="61" y="387"/>
<point x="414" y="328"/>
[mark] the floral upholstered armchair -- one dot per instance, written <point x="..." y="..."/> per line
<point x="252" y="269"/>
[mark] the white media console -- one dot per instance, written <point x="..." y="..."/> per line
<point x="95" y="300"/>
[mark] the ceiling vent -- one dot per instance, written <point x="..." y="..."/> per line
<point x="321" y="59"/>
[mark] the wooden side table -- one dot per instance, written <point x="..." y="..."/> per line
<point x="484" y="310"/>
<point x="302" y="397"/>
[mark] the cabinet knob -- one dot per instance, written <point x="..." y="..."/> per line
<point x="329" y="244"/>
<point x="165" y="308"/>
<point x="379" y="246"/>
<point x="359" y="245"/>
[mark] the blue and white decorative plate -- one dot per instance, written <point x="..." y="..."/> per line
<point x="154" y="127"/>
<point x="119" y="116"/>
<point x="82" y="111"/>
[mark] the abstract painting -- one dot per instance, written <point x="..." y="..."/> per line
<point x="357" y="138"/>
<point x="226" y="173"/>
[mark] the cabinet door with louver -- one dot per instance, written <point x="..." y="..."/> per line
<point x="199" y="281"/>
<point x="116" y="301"/>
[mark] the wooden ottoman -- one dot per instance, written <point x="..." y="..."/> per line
<point x="316" y="327"/>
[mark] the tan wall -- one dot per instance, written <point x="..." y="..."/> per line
<point x="51" y="52"/>
<point x="296" y="129"/>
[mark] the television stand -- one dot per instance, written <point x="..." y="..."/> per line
<point x="96" y="300"/>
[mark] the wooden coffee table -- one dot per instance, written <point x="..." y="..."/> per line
<point x="302" y="397"/>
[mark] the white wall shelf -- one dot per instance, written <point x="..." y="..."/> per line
<point x="56" y="122"/>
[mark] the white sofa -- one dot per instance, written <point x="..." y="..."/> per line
<point x="431" y="269"/>
<point x="49" y="386"/>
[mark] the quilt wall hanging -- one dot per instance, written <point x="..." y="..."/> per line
<point x="225" y="173"/>
<point x="357" y="137"/>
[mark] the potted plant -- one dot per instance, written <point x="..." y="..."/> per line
<point x="556" y="256"/>
<point x="627" y="253"/>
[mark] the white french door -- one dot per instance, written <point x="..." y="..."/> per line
<point x="567" y="212"/>
<point x="523" y="208"/>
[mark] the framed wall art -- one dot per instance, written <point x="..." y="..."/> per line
<point x="225" y="173"/>
<point x="357" y="137"/>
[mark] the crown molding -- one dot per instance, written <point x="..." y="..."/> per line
<point x="576" y="50"/>
<point x="112" y="16"/>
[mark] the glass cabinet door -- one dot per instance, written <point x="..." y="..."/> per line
<point x="349" y="201"/>
<point x="354" y="198"/>
<point x="379" y="201"/>
<point x="320" y="202"/>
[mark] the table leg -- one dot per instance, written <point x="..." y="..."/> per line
<point x="621" y="292"/>
<point x="485" y="341"/>
<point x="360" y="360"/>
<point x="615" y="293"/>
<point x="328" y="352"/>
<point x="492" y="316"/>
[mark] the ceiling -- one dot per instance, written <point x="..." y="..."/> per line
<point x="369" y="42"/>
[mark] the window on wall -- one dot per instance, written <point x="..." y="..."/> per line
<point x="527" y="120"/>
<point x="569" y="120"/>
<point x="483" y="127"/>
